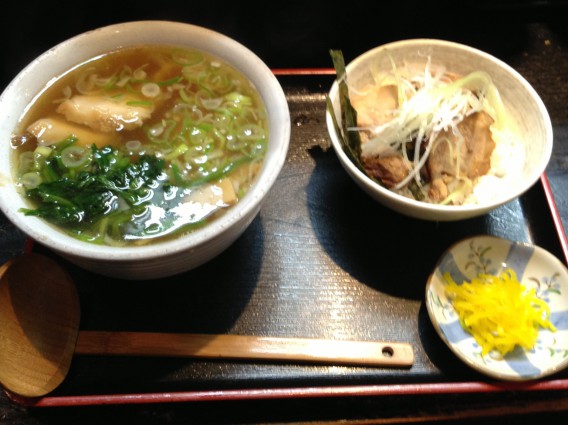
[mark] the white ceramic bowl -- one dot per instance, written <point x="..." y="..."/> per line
<point x="536" y="269"/>
<point x="166" y="258"/>
<point x="533" y="123"/>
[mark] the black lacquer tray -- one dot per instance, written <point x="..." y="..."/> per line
<point x="321" y="260"/>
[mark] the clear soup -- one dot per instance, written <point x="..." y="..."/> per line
<point x="140" y="144"/>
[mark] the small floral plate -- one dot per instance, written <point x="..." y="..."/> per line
<point x="535" y="268"/>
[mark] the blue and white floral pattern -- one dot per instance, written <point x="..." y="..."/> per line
<point x="535" y="268"/>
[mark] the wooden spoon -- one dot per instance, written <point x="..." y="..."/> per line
<point x="39" y="334"/>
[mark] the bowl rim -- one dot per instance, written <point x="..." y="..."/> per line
<point x="441" y="212"/>
<point x="162" y="32"/>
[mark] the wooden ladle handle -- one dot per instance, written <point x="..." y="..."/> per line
<point x="370" y="353"/>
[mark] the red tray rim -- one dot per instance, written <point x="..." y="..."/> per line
<point x="437" y="388"/>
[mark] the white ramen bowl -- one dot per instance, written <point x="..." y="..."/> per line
<point x="533" y="125"/>
<point x="164" y="258"/>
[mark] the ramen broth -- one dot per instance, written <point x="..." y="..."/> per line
<point x="140" y="144"/>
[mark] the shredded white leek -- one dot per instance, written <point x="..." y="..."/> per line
<point x="430" y="102"/>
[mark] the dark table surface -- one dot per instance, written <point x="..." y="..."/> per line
<point x="530" y="36"/>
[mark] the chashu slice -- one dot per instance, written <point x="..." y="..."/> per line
<point x="465" y="153"/>
<point x="103" y="113"/>
<point x="48" y="131"/>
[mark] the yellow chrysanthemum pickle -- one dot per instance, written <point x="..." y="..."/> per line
<point x="499" y="311"/>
